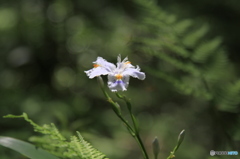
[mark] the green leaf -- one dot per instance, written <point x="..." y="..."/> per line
<point x="25" y="148"/>
<point x="206" y="49"/>
<point x="192" y="38"/>
<point x="57" y="144"/>
<point x="182" y="26"/>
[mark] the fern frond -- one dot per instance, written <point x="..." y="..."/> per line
<point x="206" y="49"/>
<point x="182" y="26"/>
<point x="227" y="97"/>
<point x="181" y="85"/>
<point x="194" y="36"/>
<point x="216" y="68"/>
<point x="200" y="66"/>
<point x="184" y="66"/>
<point x="58" y="145"/>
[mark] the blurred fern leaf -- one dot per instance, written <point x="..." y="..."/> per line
<point x="193" y="64"/>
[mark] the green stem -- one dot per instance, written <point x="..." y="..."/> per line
<point x="133" y="120"/>
<point x="142" y="146"/>
<point x="134" y="132"/>
<point x="136" y="136"/>
<point x="172" y="153"/>
<point x="127" y="125"/>
<point x="136" y="129"/>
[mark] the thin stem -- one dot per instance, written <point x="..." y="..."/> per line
<point x="142" y="146"/>
<point x="172" y="153"/>
<point x="134" y="121"/>
<point x="134" y="131"/>
<point x="127" y="125"/>
<point x="138" y="138"/>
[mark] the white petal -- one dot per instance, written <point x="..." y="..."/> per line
<point x="122" y="65"/>
<point x="119" y="58"/>
<point x="96" y="72"/>
<point x="135" y="72"/>
<point x="119" y="63"/>
<point x="125" y="60"/>
<point x="125" y="80"/>
<point x="103" y="68"/>
<point x="117" y="85"/>
<point x="105" y="64"/>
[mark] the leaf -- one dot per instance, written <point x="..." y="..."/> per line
<point x="182" y="26"/>
<point x="192" y="38"/>
<point x="58" y="145"/>
<point x="25" y="148"/>
<point x="206" y="49"/>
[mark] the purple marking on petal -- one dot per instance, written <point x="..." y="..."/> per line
<point x="119" y="82"/>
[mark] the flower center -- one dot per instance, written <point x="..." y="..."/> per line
<point x="95" y="65"/>
<point x="118" y="77"/>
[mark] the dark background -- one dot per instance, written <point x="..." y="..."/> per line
<point x="47" y="45"/>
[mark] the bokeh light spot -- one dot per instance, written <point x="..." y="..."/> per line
<point x="8" y="18"/>
<point x="64" y="77"/>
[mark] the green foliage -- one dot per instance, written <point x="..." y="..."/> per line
<point x="54" y="142"/>
<point x="193" y="65"/>
<point x="25" y="148"/>
<point x="46" y="46"/>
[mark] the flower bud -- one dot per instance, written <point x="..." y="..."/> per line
<point x="156" y="147"/>
<point x="180" y="139"/>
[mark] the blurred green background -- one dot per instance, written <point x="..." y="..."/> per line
<point x="189" y="51"/>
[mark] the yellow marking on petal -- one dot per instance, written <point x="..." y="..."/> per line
<point x="95" y="65"/>
<point x="128" y="62"/>
<point x="118" y="76"/>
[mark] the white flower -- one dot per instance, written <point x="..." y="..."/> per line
<point x="118" y="77"/>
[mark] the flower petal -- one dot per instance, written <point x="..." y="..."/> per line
<point x="105" y="64"/>
<point x="101" y="67"/>
<point x="122" y="65"/>
<point x="96" y="72"/>
<point x="117" y="85"/>
<point x="135" y="72"/>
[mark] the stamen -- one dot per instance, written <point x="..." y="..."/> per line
<point x="118" y="77"/>
<point x="95" y="65"/>
<point x="128" y="62"/>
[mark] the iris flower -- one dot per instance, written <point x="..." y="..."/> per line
<point x="118" y="76"/>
